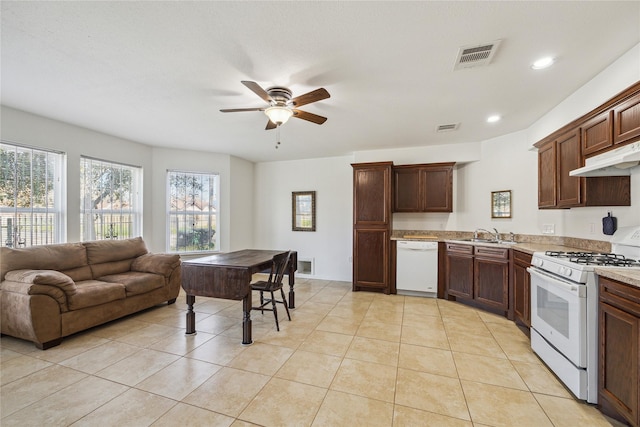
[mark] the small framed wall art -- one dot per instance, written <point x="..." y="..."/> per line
<point x="303" y="211"/>
<point x="501" y="204"/>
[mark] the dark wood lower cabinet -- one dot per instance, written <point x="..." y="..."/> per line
<point x="478" y="275"/>
<point x="619" y="336"/>
<point x="491" y="277"/>
<point x="521" y="289"/>
<point x="371" y="266"/>
<point x="459" y="282"/>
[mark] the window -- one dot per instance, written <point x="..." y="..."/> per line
<point x="31" y="196"/>
<point x="192" y="218"/>
<point x="111" y="198"/>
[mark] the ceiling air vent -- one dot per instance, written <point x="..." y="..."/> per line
<point x="476" y="55"/>
<point x="447" y="128"/>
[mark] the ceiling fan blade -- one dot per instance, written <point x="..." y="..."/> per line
<point x="308" y="98"/>
<point x="237" y="110"/>
<point x="304" y="115"/>
<point x="270" y="125"/>
<point x="257" y="89"/>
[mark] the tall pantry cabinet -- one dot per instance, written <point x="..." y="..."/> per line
<point x="372" y="245"/>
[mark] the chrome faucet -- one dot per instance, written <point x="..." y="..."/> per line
<point x="475" y="233"/>
<point x="496" y="235"/>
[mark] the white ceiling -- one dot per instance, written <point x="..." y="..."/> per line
<point x="159" y="72"/>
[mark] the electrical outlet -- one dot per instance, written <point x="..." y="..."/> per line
<point x="548" y="228"/>
<point x="592" y="228"/>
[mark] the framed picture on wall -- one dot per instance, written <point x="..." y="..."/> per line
<point x="501" y="204"/>
<point x="303" y="210"/>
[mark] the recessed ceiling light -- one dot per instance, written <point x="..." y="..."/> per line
<point x="543" y="63"/>
<point x="493" y="119"/>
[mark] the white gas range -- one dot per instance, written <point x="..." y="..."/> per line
<point x="564" y="309"/>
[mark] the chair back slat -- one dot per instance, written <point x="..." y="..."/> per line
<point x="278" y="268"/>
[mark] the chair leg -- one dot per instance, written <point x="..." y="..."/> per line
<point x="261" y="302"/>
<point x="284" y="302"/>
<point x="275" y="311"/>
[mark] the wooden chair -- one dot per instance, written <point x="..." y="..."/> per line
<point x="273" y="284"/>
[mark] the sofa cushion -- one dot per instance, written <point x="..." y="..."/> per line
<point x="113" y="267"/>
<point x="102" y="251"/>
<point x="95" y="292"/>
<point x="156" y="263"/>
<point x="135" y="282"/>
<point x="65" y="256"/>
<point x="43" y="277"/>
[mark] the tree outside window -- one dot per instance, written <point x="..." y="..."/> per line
<point x="192" y="217"/>
<point x="30" y="196"/>
<point x="111" y="200"/>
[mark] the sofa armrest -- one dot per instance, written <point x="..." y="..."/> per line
<point x="163" y="264"/>
<point x="41" y="282"/>
<point x="43" y="277"/>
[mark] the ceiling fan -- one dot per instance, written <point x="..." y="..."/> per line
<point x="281" y="106"/>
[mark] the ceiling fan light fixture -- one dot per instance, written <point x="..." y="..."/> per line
<point x="278" y="114"/>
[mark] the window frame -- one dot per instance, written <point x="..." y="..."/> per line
<point x="135" y="199"/>
<point x="57" y="209"/>
<point x="215" y="197"/>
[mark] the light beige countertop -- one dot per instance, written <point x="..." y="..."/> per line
<point x="630" y="276"/>
<point x="525" y="242"/>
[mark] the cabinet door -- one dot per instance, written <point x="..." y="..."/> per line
<point x="597" y="133"/>
<point x="568" y="159"/>
<point x="547" y="175"/>
<point x="459" y="282"/>
<point x="521" y="292"/>
<point x="371" y="259"/>
<point x="437" y="193"/>
<point x="491" y="282"/>
<point x="619" y="361"/>
<point x="371" y="192"/>
<point x="406" y="197"/>
<point x="626" y="120"/>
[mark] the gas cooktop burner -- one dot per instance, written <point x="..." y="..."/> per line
<point x="595" y="258"/>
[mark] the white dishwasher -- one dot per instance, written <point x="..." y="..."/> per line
<point x="417" y="268"/>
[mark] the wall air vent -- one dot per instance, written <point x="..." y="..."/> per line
<point x="447" y="128"/>
<point x="476" y="55"/>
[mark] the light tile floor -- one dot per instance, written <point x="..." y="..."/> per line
<point x="346" y="359"/>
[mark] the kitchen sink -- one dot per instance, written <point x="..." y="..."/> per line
<point x="498" y="242"/>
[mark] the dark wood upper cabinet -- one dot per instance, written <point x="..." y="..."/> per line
<point x="614" y="123"/>
<point x="372" y="193"/>
<point x="547" y="175"/>
<point x="626" y="119"/>
<point x="568" y="159"/>
<point x="406" y="196"/>
<point x="597" y="133"/>
<point x="558" y="190"/>
<point x="423" y="188"/>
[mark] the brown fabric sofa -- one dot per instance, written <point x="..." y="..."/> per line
<point x="52" y="291"/>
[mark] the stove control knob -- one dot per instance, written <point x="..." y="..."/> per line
<point x="567" y="271"/>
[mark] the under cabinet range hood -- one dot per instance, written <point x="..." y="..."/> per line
<point x="618" y="162"/>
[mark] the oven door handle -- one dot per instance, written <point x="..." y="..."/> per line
<point x="573" y="288"/>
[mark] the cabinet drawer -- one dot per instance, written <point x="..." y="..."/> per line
<point x="620" y="295"/>
<point x="460" y="249"/>
<point x="490" y="252"/>
<point x="522" y="258"/>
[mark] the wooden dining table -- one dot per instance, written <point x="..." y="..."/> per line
<point x="228" y="276"/>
